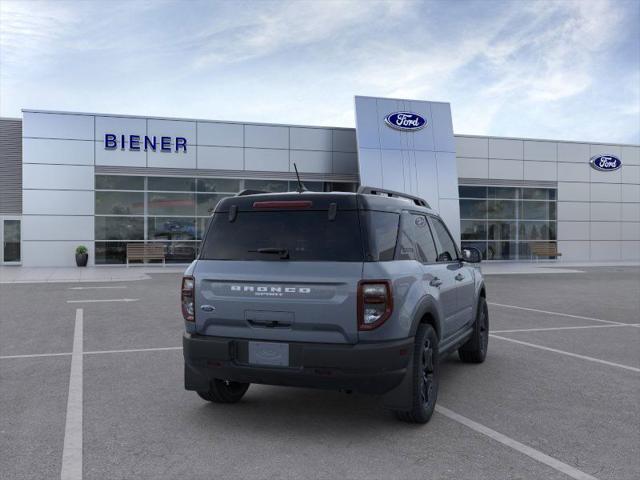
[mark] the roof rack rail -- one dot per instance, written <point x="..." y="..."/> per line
<point x="390" y="193"/>
<point x="250" y="192"/>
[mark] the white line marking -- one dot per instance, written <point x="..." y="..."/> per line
<point x="514" y="444"/>
<point x="105" y="300"/>
<point x="575" y="355"/>
<point x="97" y="352"/>
<point x="94" y="288"/>
<point x="93" y="352"/>
<point x="557" y="313"/>
<point x="72" y="450"/>
<point x="34" y="355"/>
<point x="564" y="328"/>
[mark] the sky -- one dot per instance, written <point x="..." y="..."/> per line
<point x="541" y="69"/>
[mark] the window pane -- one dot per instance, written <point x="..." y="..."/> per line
<point x="305" y="235"/>
<point x="501" y="230"/>
<point x="172" y="204"/>
<point x="171" y="183"/>
<point x="501" y="192"/>
<point x="110" y="253"/>
<point x="202" y="224"/>
<point x="218" y="185"/>
<point x="473" y="230"/>
<point x="382" y="229"/>
<point x="179" y="252"/>
<point x="311" y="186"/>
<point x="473" y="208"/>
<point x="167" y="228"/>
<point x="503" y="209"/>
<point x="267" y="185"/>
<point x="538" y="194"/>
<point x="207" y="203"/>
<point x="342" y="187"/>
<point x="537" y="210"/>
<point x="501" y="250"/>
<point x="535" y="231"/>
<point x="472" y="192"/>
<point x="120" y="203"/>
<point x="447" y="251"/>
<point x="424" y="241"/>
<point x="119" y="182"/>
<point x="119" y="228"/>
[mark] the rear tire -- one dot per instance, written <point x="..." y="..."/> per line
<point x="475" y="350"/>
<point x="425" y="377"/>
<point x="223" y="391"/>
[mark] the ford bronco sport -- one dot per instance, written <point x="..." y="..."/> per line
<point x="348" y="291"/>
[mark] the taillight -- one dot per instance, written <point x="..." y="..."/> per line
<point x="187" y="299"/>
<point x="375" y="303"/>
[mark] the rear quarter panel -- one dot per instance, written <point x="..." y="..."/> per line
<point x="408" y="290"/>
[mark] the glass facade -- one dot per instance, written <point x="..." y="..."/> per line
<point x="504" y="222"/>
<point x="170" y="211"/>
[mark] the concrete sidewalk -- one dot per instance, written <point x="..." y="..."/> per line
<point x="549" y="266"/>
<point x="11" y="274"/>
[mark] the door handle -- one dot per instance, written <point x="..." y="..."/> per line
<point x="435" y="282"/>
<point x="459" y="277"/>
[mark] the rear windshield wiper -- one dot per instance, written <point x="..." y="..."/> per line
<point x="283" y="252"/>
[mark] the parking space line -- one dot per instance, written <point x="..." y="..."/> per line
<point x="515" y="445"/>
<point x="95" y="288"/>
<point x="35" y="355"/>
<point x="105" y="300"/>
<point x="96" y="352"/>
<point x="569" y="354"/>
<point x="565" y="328"/>
<point x="556" y="313"/>
<point x="72" y="449"/>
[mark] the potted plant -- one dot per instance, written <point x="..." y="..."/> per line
<point x="82" y="256"/>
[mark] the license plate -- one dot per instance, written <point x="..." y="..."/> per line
<point x="268" y="353"/>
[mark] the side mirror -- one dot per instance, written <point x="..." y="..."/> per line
<point x="471" y="255"/>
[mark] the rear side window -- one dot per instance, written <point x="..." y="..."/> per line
<point x="447" y="251"/>
<point x="426" y="248"/>
<point x="382" y="232"/>
<point x="284" y="236"/>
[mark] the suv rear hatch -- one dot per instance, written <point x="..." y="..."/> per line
<point x="281" y="267"/>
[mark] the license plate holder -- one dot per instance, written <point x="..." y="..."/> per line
<point x="269" y="353"/>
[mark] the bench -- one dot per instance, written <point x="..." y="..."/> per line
<point x="143" y="252"/>
<point x="545" y="249"/>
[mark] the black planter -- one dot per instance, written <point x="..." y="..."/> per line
<point x="82" y="259"/>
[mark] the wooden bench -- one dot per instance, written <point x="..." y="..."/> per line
<point x="545" y="249"/>
<point x="142" y="252"/>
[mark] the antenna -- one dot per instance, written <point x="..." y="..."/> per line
<point x="301" y="187"/>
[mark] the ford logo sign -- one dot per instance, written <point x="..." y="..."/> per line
<point x="605" y="163"/>
<point x="405" y="121"/>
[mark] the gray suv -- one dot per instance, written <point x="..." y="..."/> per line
<point x="357" y="292"/>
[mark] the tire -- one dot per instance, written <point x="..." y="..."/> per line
<point x="223" y="391"/>
<point x="475" y="350"/>
<point x="425" y="377"/>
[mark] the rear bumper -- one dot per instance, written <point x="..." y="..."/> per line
<point x="365" y="367"/>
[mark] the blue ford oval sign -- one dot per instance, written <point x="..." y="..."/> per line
<point x="405" y="121"/>
<point x="605" y="163"/>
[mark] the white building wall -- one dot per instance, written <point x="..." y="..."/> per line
<point x="598" y="212"/>
<point x="62" y="150"/>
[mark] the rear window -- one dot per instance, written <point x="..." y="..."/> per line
<point x="284" y="236"/>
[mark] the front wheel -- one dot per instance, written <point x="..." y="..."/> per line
<point x="475" y="350"/>
<point x="224" y="391"/>
<point x="425" y="376"/>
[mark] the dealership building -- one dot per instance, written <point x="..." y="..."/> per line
<point x="111" y="181"/>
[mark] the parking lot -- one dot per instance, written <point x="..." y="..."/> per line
<point x="91" y="387"/>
